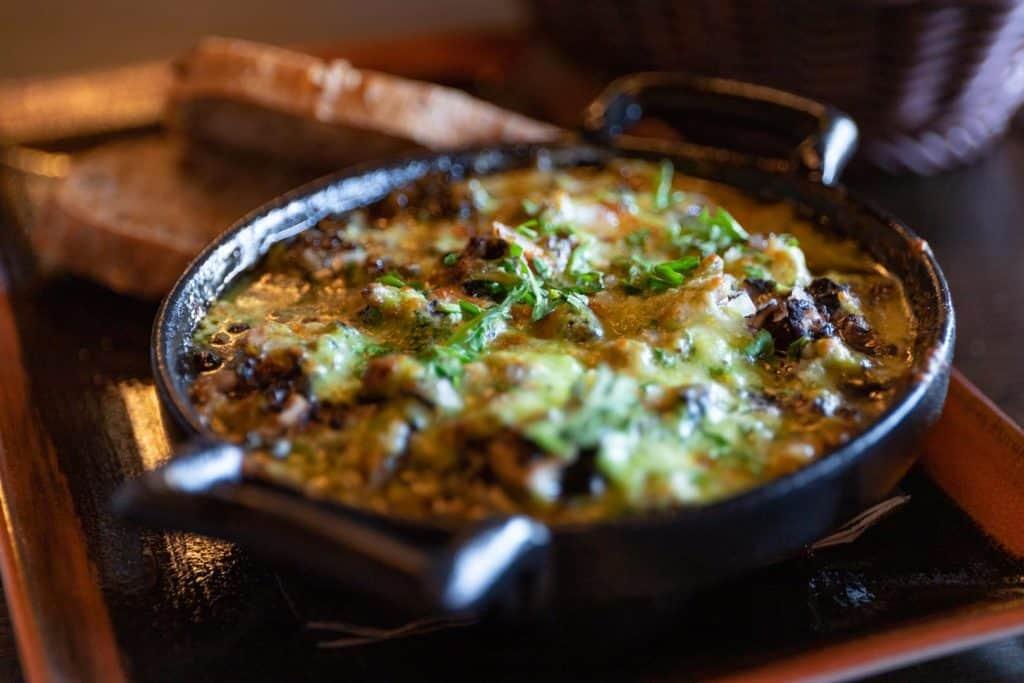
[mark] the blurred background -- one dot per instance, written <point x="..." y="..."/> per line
<point x="932" y="83"/>
<point x="54" y="36"/>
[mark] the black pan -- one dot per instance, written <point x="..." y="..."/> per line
<point x="767" y="143"/>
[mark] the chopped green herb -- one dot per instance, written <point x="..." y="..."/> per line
<point x="579" y="271"/>
<point x="707" y="232"/>
<point x="662" y="273"/>
<point x="528" y="229"/>
<point x="579" y="260"/>
<point x="665" y="359"/>
<point x="663" y="191"/>
<point x="577" y="301"/>
<point x="637" y="268"/>
<point x="662" y="276"/>
<point x="590" y="282"/>
<point x="531" y="207"/>
<point x="558" y="229"/>
<point x="447" y="307"/>
<point x="471" y="338"/>
<point x="789" y="240"/>
<point x="536" y="295"/>
<point x="482" y="199"/>
<point x="542" y="267"/>
<point x="469" y="308"/>
<point x="638" y="237"/>
<point x="491" y="289"/>
<point x="372" y="350"/>
<point x="761" y="347"/>
<point x="683" y="265"/>
<point x="391" y="280"/>
<point x="796" y="347"/>
<point x="450" y="259"/>
<point x="719" y="444"/>
<point x="540" y="302"/>
<point x="754" y="272"/>
<point x="722" y="221"/>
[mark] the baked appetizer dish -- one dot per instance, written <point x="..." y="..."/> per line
<point x="576" y="344"/>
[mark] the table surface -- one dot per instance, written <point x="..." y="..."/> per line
<point x="969" y="216"/>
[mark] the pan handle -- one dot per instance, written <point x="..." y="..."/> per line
<point x="715" y="114"/>
<point x="497" y="563"/>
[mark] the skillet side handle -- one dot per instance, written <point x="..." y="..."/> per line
<point x="820" y="139"/>
<point x="492" y="565"/>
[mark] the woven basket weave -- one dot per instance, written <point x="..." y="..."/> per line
<point x="930" y="82"/>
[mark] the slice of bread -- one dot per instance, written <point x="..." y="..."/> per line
<point x="132" y="214"/>
<point x="295" y="106"/>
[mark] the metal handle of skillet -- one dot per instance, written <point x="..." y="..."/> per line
<point x="779" y="131"/>
<point x="502" y="562"/>
<point x="205" y="489"/>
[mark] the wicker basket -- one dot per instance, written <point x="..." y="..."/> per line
<point x="930" y="82"/>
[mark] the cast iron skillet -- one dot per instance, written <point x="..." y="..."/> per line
<point x="517" y="562"/>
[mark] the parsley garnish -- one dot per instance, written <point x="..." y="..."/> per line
<point x="761" y="347"/>
<point x="721" y="224"/>
<point x="663" y="276"/>
<point x="542" y="267"/>
<point x="447" y="307"/>
<point x="754" y="272"/>
<point x="797" y="346"/>
<point x="590" y="282"/>
<point x="470" y="339"/>
<point x="536" y="295"/>
<point x="482" y="199"/>
<point x="528" y="229"/>
<point x="491" y="289"/>
<point x="577" y="301"/>
<point x="391" y="280"/>
<point x="372" y="349"/>
<point x="638" y="237"/>
<point x="531" y="207"/>
<point x="707" y="232"/>
<point x="450" y="258"/>
<point x="663" y="191"/>
<point x="578" y="260"/>
<point x="665" y="358"/>
<point x="580" y="273"/>
<point x="643" y="275"/>
<point x="469" y="308"/>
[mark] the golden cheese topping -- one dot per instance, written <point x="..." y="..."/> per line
<point x="575" y="344"/>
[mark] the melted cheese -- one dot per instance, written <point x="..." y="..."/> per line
<point x="575" y="344"/>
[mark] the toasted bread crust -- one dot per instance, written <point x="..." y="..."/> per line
<point x="343" y="96"/>
<point x="283" y="137"/>
<point x="132" y="214"/>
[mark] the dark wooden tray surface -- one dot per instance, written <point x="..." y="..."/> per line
<point x="95" y="600"/>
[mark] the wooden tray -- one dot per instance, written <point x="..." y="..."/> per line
<point x="94" y="600"/>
